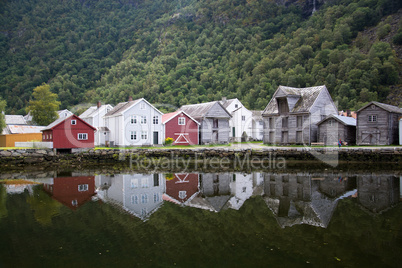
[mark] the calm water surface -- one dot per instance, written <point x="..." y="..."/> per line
<point x="291" y="218"/>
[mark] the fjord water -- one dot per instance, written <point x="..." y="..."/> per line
<point x="289" y="218"/>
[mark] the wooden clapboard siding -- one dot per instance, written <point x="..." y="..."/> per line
<point x="384" y="131"/>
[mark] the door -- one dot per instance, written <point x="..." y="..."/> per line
<point x="156" y="137"/>
<point x="215" y="136"/>
<point x="233" y="132"/>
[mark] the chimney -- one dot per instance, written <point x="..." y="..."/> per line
<point x="99" y="104"/>
<point x="348" y="114"/>
<point x="223" y="99"/>
<point x="130" y="98"/>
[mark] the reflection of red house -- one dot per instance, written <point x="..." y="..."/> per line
<point x="181" y="127"/>
<point x="72" y="191"/>
<point x="71" y="132"/>
<point x="182" y="187"/>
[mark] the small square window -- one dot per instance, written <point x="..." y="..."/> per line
<point x="155" y="120"/>
<point x="73" y="122"/>
<point x="143" y="119"/>
<point x="182" y="120"/>
<point x="372" y="118"/>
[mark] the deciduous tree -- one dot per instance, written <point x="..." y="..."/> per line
<point x="44" y="105"/>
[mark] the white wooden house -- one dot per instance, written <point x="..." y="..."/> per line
<point x="134" y="123"/>
<point x="241" y="120"/>
<point x="292" y="115"/>
<point x="94" y="116"/>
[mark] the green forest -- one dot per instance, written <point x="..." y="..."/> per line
<point x="185" y="51"/>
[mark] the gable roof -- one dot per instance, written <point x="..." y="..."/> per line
<point x="93" y="110"/>
<point x="306" y="98"/>
<point x="62" y="112"/>
<point x="348" y="121"/>
<point x="387" y="107"/>
<point x="257" y="114"/>
<point x="15" y="120"/>
<point x="200" y="110"/>
<point x="167" y="117"/>
<point x="23" y="129"/>
<point x="120" y="108"/>
<point x="226" y="103"/>
<point x="61" y="120"/>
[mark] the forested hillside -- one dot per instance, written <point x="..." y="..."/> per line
<point x="187" y="51"/>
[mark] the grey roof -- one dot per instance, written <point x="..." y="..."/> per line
<point x="349" y="121"/>
<point x="226" y="103"/>
<point x="22" y="129"/>
<point x="121" y="107"/>
<point x="88" y="112"/>
<point x="307" y="97"/>
<point x="387" y="107"/>
<point x="91" y="111"/>
<point x="56" y="122"/>
<point x="15" y="120"/>
<point x="200" y="110"/>
<point x="256" y="114"/>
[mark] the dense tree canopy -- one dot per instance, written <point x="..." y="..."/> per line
<point x="179" y="52"/>
<point x="44" y="105"/>
<point x="2" y="119"/>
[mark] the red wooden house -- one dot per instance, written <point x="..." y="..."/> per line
<point x="183" y="187"/>
<point x="71" y="191"/>
<point x="68" y="133"/>
<point x="181" y="127"/>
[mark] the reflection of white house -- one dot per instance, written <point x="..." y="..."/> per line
<point x="139" y="194"/>
<point x="241" y="188"/>
<point x="241" y="121"/>
<point x="94" y="116"/>
<point x="134" y="123"/>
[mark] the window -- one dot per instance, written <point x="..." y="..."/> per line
<point x="143" y="119"/>
<point x="331" y="122"/>
<point x="134" y="199"/>
<point x="144" y="135"/>
<point x="133" y="135"/>
<point x="82" y="136"/>
<point x="134" y="183"/>
<point x="285" y="122"/>
<point x="236" y="106"/>
<point x="82" y="187"/>
<point x="73" y="122"/>
<point x="182" y="194"/>
<point x="144" y="198"/>
<point x="156" y="197"/>
<point x="133" y="119"/>
<point x="144" y="183"/>
<point x="155" y="120"/>
<point x="50" y="136"/>
<point x="299" y="121"/>
<point x="271" y="123"/>
<point x="372" y="118"/>
<point x="142" y="106"/>
<point x="156" y="180"/>
<point x="74" y="202"/>
<point x="182" y="120"/>
<point x="243" y="118"/>
<point x="283" y="107"/>
<point x="215" y="123"/>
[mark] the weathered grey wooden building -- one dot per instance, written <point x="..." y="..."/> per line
<point x="377" y="124"/>
<point x="213" y="119"/>
<point x="292" y="115"/>
<point x="336" y="127"/>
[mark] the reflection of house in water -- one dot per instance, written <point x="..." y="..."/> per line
<point x="19" y="186"/>
<point x="299" y="199"/>
<point x="182" y="188"/>
<point x="71" y="191"/>
<point x="378" y="193"/>
<point x="139" y="194"/>
<point x="226" y="190"/>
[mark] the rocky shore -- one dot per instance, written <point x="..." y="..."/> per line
<point x="213" y="155"/>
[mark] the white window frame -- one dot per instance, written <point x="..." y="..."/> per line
<point x="182" y="121"/>
<point x="83" y="187"/>
<point x="243" y="118"/>
<point x="143" y="119"/>
<point x="144" y="135"/>
<point x="82" y="136"/>
<point x="133" y="135"/>
<point x="133" y="119"/>
<point x="73" y="122"/>
<point x="372" y="118"/>
<point x="155" y="120"/>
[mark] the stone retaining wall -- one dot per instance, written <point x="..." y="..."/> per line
<point x="44" y="157"/>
